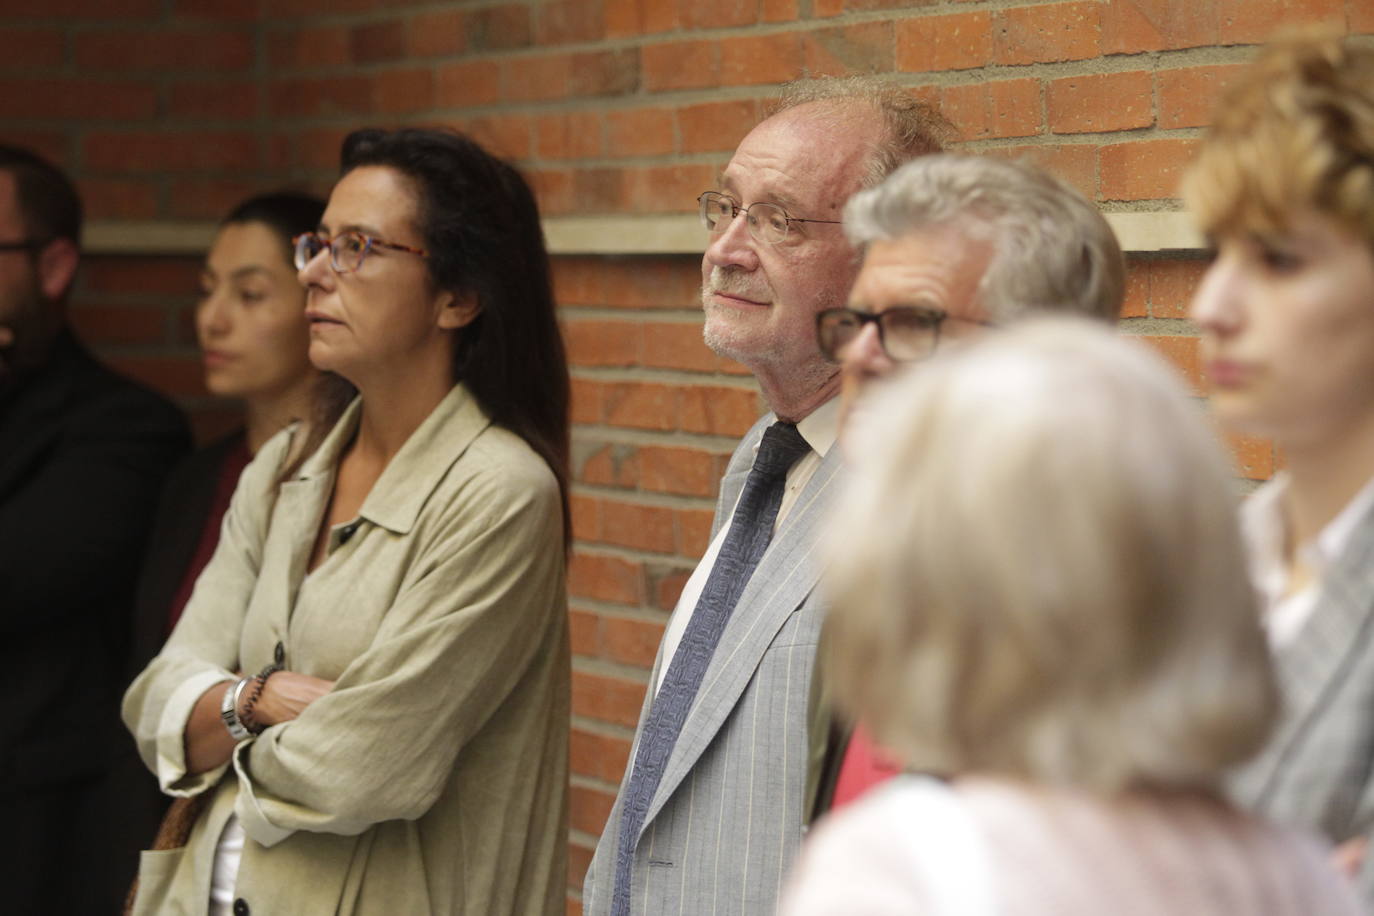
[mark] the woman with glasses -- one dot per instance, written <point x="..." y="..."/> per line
<point x="1040" y="606"/>
<point x="1284" y="188"/>
<point x="369" y="686"/>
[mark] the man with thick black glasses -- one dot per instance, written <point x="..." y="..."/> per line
<point x="711" y="810"/>
<point x="951" y="245"/>
<point x="83" y="453"/>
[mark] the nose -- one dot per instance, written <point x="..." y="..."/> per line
<point x="317" y="272"/>
<point x="1217" y="306"/>
<point x="734" y="247"/>
<point x="864" y="357"/>
<point x="212" y="316"/>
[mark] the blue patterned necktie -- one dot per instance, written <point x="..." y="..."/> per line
<point x="751" y="528"/>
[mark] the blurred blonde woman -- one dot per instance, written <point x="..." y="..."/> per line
<point x="1040" y="599"/>
<point x="1284" y="186"/>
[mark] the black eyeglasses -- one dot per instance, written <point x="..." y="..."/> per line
<point x="767" y="222"/>
<point x="346" y="250"/>
<point x="905" y="332"/>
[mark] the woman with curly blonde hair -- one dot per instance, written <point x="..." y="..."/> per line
<point x="1284" y="187"/>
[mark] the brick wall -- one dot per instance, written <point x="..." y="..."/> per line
<point x="171" y="110"/>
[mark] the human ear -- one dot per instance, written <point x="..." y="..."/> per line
<point x="57" y="262"/>
<point x="458" y="311"/>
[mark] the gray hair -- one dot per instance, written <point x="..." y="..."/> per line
<point x="1053" y="250"/>
<point x="1037" y="570"/>
<point x="913" y="128"/>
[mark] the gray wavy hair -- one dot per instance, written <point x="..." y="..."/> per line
<point x="1053" y="250"/>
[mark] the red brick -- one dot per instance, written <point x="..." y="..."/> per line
<point x="569" y="135"/>
<point x="152" y="152"/>
<point x="673" y="283"/>
<point x="569" y="22"/>
<point x="119" y="324"/>
<point x="1188" y="97"/>
<point x="78" y="99"/>
<point x="577" y="280"/>
<point x="318" y="148"/>
<point x="866" y="48"/>
<point x="1172" y="284"/>
<point x="683" y="471"/>
<point x="584" y="633"/>
<point x="589" y="808"/>
<point x="640" y="132"/>
<point x="1132" y="26"/>
<point x="210" y="199"/>
<point x="508" y="136"/>
<point x="694" y="531"/>
<point x="609" y="699"/>
<point x="779" y="11"/>
<point x="611" y="466"/>
<point x="81" y="9"/>
<point x="719" y="411"/>
<point x="229" y="100"/>
<point x="628" y="18"/>
<point x="1254" y="458"/>
<point x="107" y="198"/>
<point x="376" y="42"/>
<point x="1053" y="32"/>
<point x="587" y="398"/>
<point x="402" y="91"/>
<point x="1147" y="170"/>
<point x="983" y="111"/>
<point x="579" y="860"/>
<point x="1360" y="16"/>
<point x="1254" y="21"/>
<point x="639" y="527"/>
<point x="216" y="9"/>
<point x="1075" y="163"/>
<point x="602" y="343"/>
<point x="1100" y="102"/>
<point x="938" y="43"/>
<point x="177" y="377"/>
<point x="585" y="512"/>
<point x="1182" y="352"/>
<point x="1137" y="300"/>
<point x="576" y="75"/>
<point x="320" y="96"/>
<point x="868" y="5"/>
<point x="668" y="189"/>
<point x="148" y="276"/>
<point x="641" y="405"/>
<point x="681" y="65"/>
<point x="436" y="34"/>
<point x="716" y="14"/>
<point x="597" y="190"/>
<point x="304" y="49"/>
<point x="553" y="188"/>
<point x="50" y="144"/>
<point x="287" y="9"/>
<point x="825" y="9"/>
<point x="604" y="578"/>
<point x="631" y="642"/>
<point x="598" y="756"/>
<point x="164" y="50"/>
<point x="756" y="59"/>
<point x="467" y="83"/>
<point x="500" y="28"/>
<point x="716" y="126"/>
<point x="667" y="588"/>
<point x="30" y="49"/>
<point x="677" y="345"/>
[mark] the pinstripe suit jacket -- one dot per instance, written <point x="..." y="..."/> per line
<point x="726" y="820"/>
<point x="1318" y="770"/>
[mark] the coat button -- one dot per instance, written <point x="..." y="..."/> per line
<point x="279" y="654"/>
<point x="240" y="907"/>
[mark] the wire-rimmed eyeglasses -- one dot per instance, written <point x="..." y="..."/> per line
<point x="768" y="223"/>
<point x="905" y="332"/>
<point x="346" y="250"/>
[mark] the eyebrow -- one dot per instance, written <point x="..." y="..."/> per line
<point x="780" y="198"/>
<point x="349" y="227"/>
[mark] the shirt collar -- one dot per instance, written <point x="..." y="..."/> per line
<point x="1265" y="527"/>
<point x="414" y="472"/>
<point x="820" y="427"/>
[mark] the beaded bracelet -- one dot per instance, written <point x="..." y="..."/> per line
<point x="258" y="683"/>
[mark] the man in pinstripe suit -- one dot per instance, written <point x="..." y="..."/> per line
<point x="725" y="818"/>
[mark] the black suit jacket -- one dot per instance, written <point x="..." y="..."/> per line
<point x="83" y="454"/>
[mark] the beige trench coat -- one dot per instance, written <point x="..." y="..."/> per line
<point x="433" y="777"/>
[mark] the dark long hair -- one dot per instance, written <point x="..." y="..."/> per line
<point x="481" y="227"/>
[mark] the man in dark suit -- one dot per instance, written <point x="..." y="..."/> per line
<point x="83" y="453"/>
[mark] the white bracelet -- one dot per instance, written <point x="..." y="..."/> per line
<point x="229" y="710"/>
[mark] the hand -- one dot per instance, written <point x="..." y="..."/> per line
<point x="284" y="696"/>
<point x="1349" y="857"/>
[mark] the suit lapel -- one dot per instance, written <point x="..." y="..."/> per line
<point x="1313" y="666"/>
<point x="782" y="580"/>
